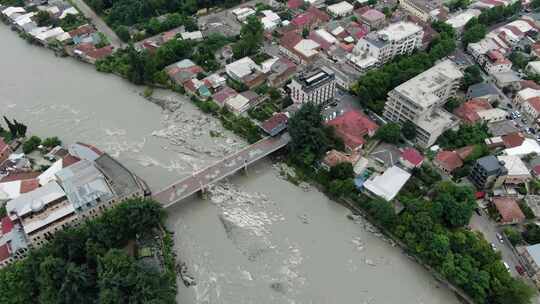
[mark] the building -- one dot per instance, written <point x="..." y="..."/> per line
<point x="495" y="63"/>
<point x="533" y="67"/>
<point x="508" y="210"/>
<point x="379" y="47"/>
<point x="275" y="124"/>
<point x="352" y="127"/>
<point x="270" y="20"/>
<point x="373" y="18"/>
<point x="242" y="13"/>
<point x="13" y="244"/>
<point x="448" y="161"/>
<point x="298" y="49"/>
<point x="468" y="111"/>
<point x="458" y="21"/>
<point x="517" y="171"/>
<point x="483" y="91"/>
<point x="528" y="146"/>
<point x="531" y="108"/>
<point x="182" y="71"/>
<point x="531" y="254"/>
<point x="5" y="150"/>
<point x="420" y="99"/>
<point x="410" y="158"/>
<point x="241" y="68"/>
<point x="423" y="9"/>
<point x="388" y="184"/>
<point x="340" y="9"/>
<point x="487" y="172"/>
<point x="310" y="19"/>
<point x="317" y="85"/>
<point x="334" y="158"/>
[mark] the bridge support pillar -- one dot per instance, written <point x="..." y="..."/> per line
<point x="203" y="193"/>
<point x="245" y="167"/>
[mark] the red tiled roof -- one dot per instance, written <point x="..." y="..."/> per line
<point x="508" y="209"/>
<point x="514" y="30"/>
<point x="325" y="45"/>
<point x="372" y="15"/>
<point x="290" y="39"/>
<point x="312" y="15"/>
<point x="223" y="94"/>
<point x="497" y="57"/>
<point x="536" y="170"/>
<point x="449" y="160"/>
<point x="294" y="4"/>
<point x="69" y="160"/>
<point x="19" y="176"/>
<point x="334" y="157"/>
<point x="464" y="152"/>
<point x="513" y="140"/>
<point x="5" y="252"/>
<point x="3" y="145"/>
<point x="7" y="225"/>
<point x="82" y="30"/>
<point x="412" y="156"/>
<point x="468" y="111"/>
<point x="535" y="103"/>
<point x="319" y="14"/>
<point x="529" y="84"/>
<point x="274" y="121"/>
<point x="352" y="127"/>
<point x="100" y="53"/>
<point x="29" y="185"/>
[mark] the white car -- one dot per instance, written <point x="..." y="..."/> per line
<point x="506" y="266"/>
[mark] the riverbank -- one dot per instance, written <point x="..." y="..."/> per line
<point x="318" y="260"/>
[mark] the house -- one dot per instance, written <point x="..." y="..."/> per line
<point x="182" y="71"/>
<point x="410" y="158"/>
<point x="340" y="9"/>
<point x="245" y="71"/>
<point x="352" y="127"/>
<point x="426" y="10"/>
<point x="5" y="150"/>
<point x="242" y="13"/>
<point x="310" y="19"/>
<point x="533" y="67"/>
<point x="373" y="18"/>
<point x="223" y="94"/>
<point x="281" y="71"/>
<point x="458" y="21"/>
<point x="528" y="146"/>
<point x="468" y="111"/>
<point x="496" y="63"/>
<point x="196" y="36"/>
<point x="275" y="124"/>
<point x="89" y="53"/>
<point x="508" y="209"/>
<point x="501" y="128"/>
<point x="483" y="91"/>
<point x="297" y="49"/>
<point x="487" y="172"/>
<point x="270" y="20"/>
<point x="334" y="157"/>
<point x="448" y="161"/>
<point x="388" y="184"/>
<point x="517" y="171"/>
<point x="509" y="79"/>
<point x="531" y="107"/>
<point x="237" y="103"/>
<point x="525" y="94"/>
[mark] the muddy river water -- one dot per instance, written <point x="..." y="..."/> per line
<point x="256" y="238"/>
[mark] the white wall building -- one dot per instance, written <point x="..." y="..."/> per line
<point x="241" y="68"/>
<point x="340" y="9"/>
<point x="317" y="86"/>
<point x="419" y="100"/>
<point x="380" y="47"/>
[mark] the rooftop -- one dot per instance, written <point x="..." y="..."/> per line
<point x="120" y="179"/>
<point x="514" y="165"/>
<point x="412" y="156"/>
<point x="352" y="127"/>
<point x="399" y="30"/>
<point x="534" y="252"/>
<point x="508" y="209"/>
<point x="35" y="200"/>
<point x="388" y="184"/>
<point x="421" y="89"/>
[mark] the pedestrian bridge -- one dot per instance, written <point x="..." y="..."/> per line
<point x="200" y="180"/>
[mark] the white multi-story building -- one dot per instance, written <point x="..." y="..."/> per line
<point x="380" y="47"/>
<point x="317" y="86"/>
<point x="419" y="100"/>
<point x="426" y="10"/>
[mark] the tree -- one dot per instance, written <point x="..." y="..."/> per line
<point x="518" y="59"/>
<point x="409" y="130"/>
<point x="453" y="103"/>
<point x="474" y="34"/>
<point x="458" y="203"/>
<point x="310" y="138"/>
<point x="513" y="236"/>
<point x="31" y="144"/>
<point x="390" y="133"/>
<point x="532" y="234"/>
<point x="12" y="128"/>
<point x="472" y="75"/>
<point x="43" y="18"/>
<point x="342" y="171"/>
<point x="251" y="37"/>
<point x="123" y="33"/>
<point x="51" y="142"/>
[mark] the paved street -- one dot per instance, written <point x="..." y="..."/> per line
<point x="99" y="23"/>
<point x="489" y="229"/>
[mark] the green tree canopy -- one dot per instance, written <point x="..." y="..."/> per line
<point x="390" y="133"/>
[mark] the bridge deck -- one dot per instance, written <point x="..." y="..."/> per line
<point x="214" y="173"/>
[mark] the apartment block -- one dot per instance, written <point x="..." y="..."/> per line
<point x="420" y="101"/>
<point x="426" y="10"/>
<point x="317" y="85"/>
<point x="379" y="47"/>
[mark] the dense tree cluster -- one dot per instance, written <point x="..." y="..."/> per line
<point x="251" y="38"/>
<point x="87" y="264"/>
<point x="477" y="27"/>
<point x="373" y="87"/>
<point x="390" y="133"/>
<point x="432" y="231"/>
<point x="464" y="136"/>
<point x="472" y="75"/>
<point x="310" y="138"/>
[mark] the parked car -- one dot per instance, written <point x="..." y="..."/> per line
<point x="500" y="238"/>
<point x="520" y="269"/>
<point x="493" y="247"/>
<point x="506" y="266"/>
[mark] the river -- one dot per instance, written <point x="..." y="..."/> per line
<point x="256" y="238"/>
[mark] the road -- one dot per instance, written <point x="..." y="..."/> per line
<point x="489" y="229"/>
<point x="99" y="24"/>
